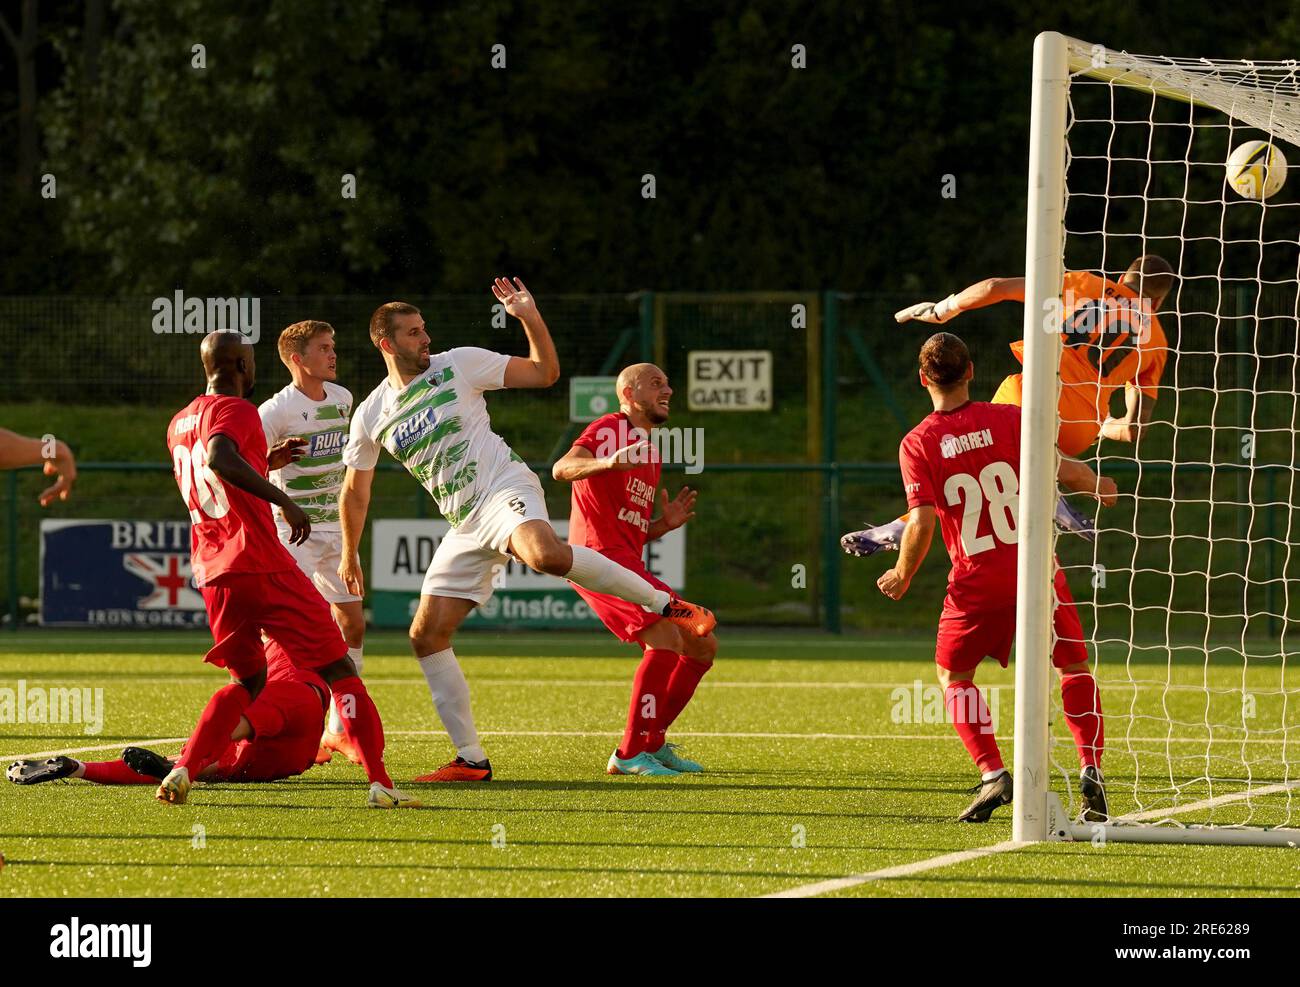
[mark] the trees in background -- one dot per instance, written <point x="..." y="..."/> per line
<point x="207" y="146"/>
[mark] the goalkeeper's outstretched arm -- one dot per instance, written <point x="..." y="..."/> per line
<point x="990" y="291"/>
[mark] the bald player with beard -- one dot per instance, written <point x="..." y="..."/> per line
<point x="614" y="468"/>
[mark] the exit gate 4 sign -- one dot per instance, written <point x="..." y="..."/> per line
<point x="730" y="380"/>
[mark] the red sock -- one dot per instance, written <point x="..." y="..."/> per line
<point x="686" y="676"/>
<point x="970" y="716"/>
<point x="362" y="726"/>
<point x="1082" y="704"/>
<point x="114" y="773"/>
<point x="212" y="735"/>
<point x="647" y="714"/>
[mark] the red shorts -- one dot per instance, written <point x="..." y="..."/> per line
<point x="287" y="720"/>
<point x="626" y="620"/>
<point x="966" y="639"/>
<point x="285" y="605"/>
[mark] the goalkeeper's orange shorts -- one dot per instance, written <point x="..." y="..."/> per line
<point x="1078" y="429"/>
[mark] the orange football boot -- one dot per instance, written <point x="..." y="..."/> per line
<point x="695" y="618"/>
<point x="336" y="742"/>
<point x="461" y="770"/>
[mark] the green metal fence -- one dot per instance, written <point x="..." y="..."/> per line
<point x="778" y="487"/>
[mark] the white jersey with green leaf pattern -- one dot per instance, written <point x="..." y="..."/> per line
<point x="315" y="479"/>
<point x="437" y="426"/>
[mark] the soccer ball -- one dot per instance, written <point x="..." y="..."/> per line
<point x="1256" y="170"/>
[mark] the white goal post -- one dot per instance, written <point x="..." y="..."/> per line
<point x="1187" y="621"/>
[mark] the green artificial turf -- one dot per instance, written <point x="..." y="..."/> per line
<point x="814" y="773"/>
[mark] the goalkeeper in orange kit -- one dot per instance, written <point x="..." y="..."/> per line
<point x="1112" y="339"/>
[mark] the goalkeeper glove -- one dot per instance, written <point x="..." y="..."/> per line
<point x="937" y="312"/>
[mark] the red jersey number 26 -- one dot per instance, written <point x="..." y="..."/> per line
<point x="193" y="474"/>
<point x="998" y="486"/>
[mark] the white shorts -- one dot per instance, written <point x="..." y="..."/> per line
<point x="318" y="558"/>
<point x="468" y="556"/>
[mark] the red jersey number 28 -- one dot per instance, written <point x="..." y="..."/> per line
<point x="998" y="486"/>
<point x="193" y="473"/>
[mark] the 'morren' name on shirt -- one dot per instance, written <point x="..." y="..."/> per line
<point x="955" y="445"/>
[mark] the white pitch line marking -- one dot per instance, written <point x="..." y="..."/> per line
<point x="708" y="734"/>
<point x="87" y="750"/>
<point x="1209" y="803"/>
<point x="889" y="873"/>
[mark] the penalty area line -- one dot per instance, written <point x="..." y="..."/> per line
<point x="890" y="873"/>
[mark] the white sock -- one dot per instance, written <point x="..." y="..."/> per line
<point x="593" y="571"/>
<point x="450" y="694"/>
<point x="990" y="775"/>
<point x="336" y="724"/>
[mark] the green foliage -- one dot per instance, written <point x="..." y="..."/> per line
<point x="227" y="178"/>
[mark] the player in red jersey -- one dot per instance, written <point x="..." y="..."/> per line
<point x="962" y="463"/>
<point x="277" y="737"/>
<point x="614" y="470"/>
<point x="250" y="584"/>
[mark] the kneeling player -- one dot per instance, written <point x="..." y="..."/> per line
<point x="614" y="472"/>
<point x="962" y="463"/>
<point x="276" y="738"/>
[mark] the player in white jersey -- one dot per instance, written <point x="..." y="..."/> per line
<point x="430" y="415"/>
<point x="315" y="409"/>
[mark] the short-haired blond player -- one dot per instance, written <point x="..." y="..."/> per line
<point x="314" y="408"/>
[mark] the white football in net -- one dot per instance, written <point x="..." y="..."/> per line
<point x="1256" y="169"/>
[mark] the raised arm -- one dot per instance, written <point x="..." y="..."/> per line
<point x="990" y="291"/>
<point x="541" y="368"/>
<point x="354" y="503"/>
<point x="672" y="513"/>
<point x="915" y="544"/>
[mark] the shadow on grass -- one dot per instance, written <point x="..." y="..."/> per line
<point x="805" y="876"/>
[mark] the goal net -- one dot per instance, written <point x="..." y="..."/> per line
<point x="1189" y="591"/>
